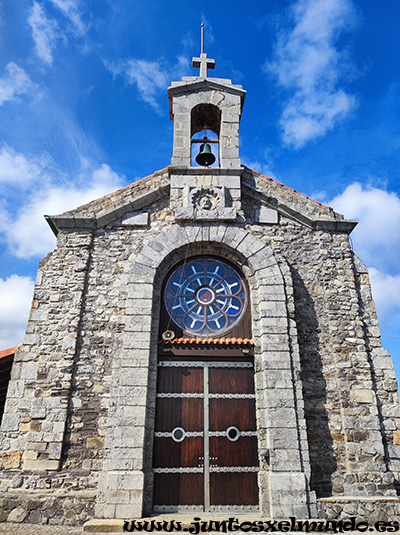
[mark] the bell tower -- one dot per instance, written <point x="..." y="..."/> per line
<point x="205" y="165"/>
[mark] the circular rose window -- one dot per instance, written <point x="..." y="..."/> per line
<point x="205" y="297"/>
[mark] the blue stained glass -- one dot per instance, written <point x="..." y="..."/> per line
<point x="205" y="297"/>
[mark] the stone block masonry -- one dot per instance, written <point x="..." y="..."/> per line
<point x="80" y="411"/>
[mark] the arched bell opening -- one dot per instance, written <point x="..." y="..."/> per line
<point x="205" y="131"/>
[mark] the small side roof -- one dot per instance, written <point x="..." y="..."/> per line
<point x="9" y="351"/>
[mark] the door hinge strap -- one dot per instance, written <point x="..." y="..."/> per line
<point x="180" y="395"/>
<point x="179" y="470"/>
<point x="166" y="434"/>
<point x="224" y="433"/>
<point x="232" y="396"/>
<point x="234" y="469"/>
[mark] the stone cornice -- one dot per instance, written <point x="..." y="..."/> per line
<point x="201" y="84"/>
<point x="338" y="225"/>
<point x="70" y="221"/>
<point x="204" y="171"/>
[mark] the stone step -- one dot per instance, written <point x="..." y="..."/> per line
<point x="104" y="525"/>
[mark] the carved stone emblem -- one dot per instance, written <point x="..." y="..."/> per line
<point x="207" y="199"/>
<point x="205" y="203"/>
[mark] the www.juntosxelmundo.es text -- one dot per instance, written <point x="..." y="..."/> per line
<point x="233" y="524"/>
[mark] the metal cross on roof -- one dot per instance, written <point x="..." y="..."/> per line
<point x="203" y="62"/>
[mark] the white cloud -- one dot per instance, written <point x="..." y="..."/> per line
<point x="70" y="9"/>
<point x="208" y="33"/>
<point x="14" y="82"/>
<point x="376" y="240"/>
<point x="15" y="298"/>
<point x="377" y="236"/>
<point x="17" y="170"/>
<point x="188" y="41"/>
<point x="47" y="32"/>
<point x="309" y="66"/>
<point x="183" y="64"/>
<point x="25" y="230"/>
<point x="266" y="167"/>
<point x="44" y="33"/>
<point x="151" y="78"/>
<point x="259" y="167"/>
<point x="148" y="76"/>
<point x="385" y="290"/>
<point x="29" y="234"/>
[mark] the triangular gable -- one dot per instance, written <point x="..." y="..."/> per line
<point x="293" y="204"/>
<point x="102" y="211"/>
<point x="262" y="189"/>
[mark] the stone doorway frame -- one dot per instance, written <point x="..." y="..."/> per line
<point x="125" y="483"/>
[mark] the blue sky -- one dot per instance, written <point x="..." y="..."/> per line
<point x="84" y="110"/>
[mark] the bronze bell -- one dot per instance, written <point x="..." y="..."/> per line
<point x="205" y="156"/>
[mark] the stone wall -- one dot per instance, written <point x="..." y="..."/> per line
<point x="79" y="415"/>
<point x="47" y="507"/>
<point x="348" y="392"/>
<point x="372" y="509"/>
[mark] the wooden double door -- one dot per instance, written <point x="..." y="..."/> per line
<point x="205" y="445"/>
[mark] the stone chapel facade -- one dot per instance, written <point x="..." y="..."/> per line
<point x="202" y="340"/>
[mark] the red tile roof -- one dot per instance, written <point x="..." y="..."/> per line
<point x="209" y="341"/>
<point x="9" y="351"/>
